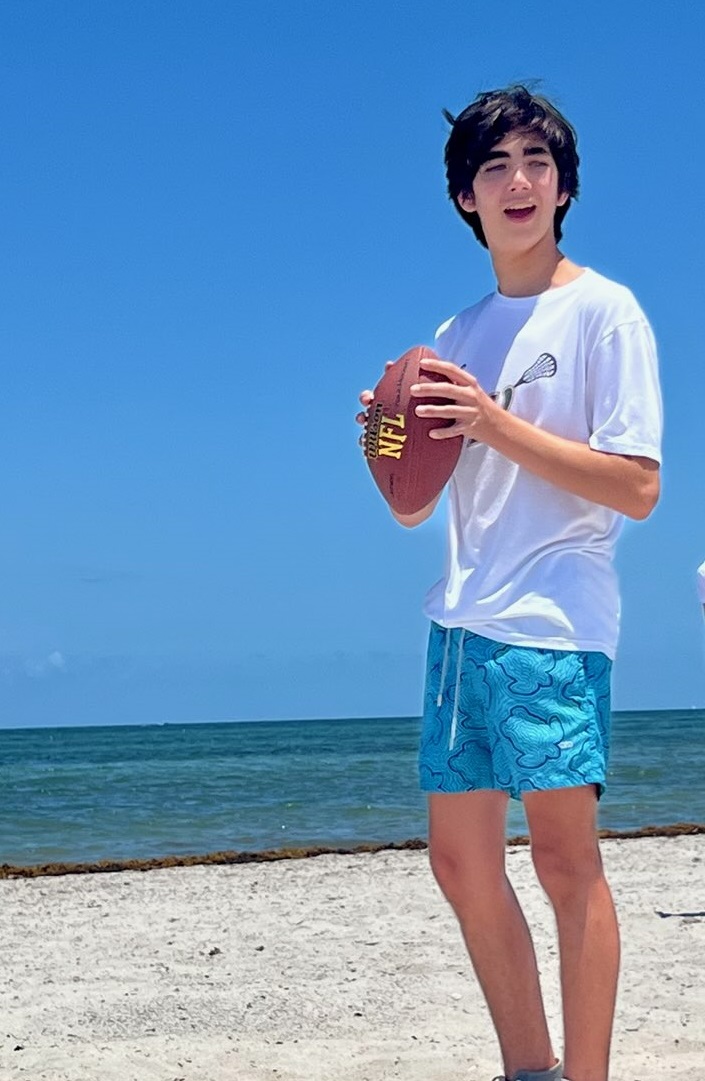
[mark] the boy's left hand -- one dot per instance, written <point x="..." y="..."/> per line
<point x="473" y="412"/>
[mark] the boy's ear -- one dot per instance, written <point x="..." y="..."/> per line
<point x="466" y="202"/>
<point x="562" y="198"/>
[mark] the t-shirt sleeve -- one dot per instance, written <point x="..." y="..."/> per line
<point x="444" y="338"/>
<point x="624" y="406"/>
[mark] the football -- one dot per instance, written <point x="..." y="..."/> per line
<point x="409" y="468"/>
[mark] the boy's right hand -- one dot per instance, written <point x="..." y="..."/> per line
<point x="408" y="520"/>
<point x="366" y="399"/>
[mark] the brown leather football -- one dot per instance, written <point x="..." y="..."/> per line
<point x="409" y="468"/>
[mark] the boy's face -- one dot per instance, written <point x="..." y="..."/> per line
<point x="515" y="193"/>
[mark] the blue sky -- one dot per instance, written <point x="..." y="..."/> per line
<point x="218" y="220"/>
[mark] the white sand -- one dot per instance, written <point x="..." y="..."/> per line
<point x="338" y="968"/>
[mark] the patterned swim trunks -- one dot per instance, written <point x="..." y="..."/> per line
<point x="512" y="718"/>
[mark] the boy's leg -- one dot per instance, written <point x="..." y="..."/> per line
<point x="467" y="850"/>
<point x="566" y="855"/>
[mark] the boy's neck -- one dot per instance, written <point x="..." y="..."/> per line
<point x="528" y="273"/>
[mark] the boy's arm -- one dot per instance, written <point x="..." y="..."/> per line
<point x="629" y="485"/>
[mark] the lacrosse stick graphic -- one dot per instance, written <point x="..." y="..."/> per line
<point x="543" y="368"/>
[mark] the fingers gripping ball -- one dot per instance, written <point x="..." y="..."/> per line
<point x="409" y="468"/>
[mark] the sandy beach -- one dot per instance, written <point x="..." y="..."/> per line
<point x="334" y="968"/>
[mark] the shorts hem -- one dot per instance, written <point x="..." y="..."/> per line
<point x="579" y="782"/>
<point x="517" y="793"/>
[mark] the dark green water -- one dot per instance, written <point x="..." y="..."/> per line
<point x="80" y="794"/>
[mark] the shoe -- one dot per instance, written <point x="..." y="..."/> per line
<point x="554" y="1073"/>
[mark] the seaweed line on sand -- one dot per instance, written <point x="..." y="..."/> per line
<point x="679" y="829"/>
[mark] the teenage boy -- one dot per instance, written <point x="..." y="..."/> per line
<point x="554" y="385"/>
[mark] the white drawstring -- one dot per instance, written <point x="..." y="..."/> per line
<point x="459" y="667"/>
<point x="444" y="669"/>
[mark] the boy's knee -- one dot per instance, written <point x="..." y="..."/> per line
<point x="446" y="869"/>
<point x="566" y="871"/>
<point x="464" y="886"/>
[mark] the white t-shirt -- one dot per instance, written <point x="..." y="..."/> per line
<point x="701" y="583"/>
<point x="529" y="563"/>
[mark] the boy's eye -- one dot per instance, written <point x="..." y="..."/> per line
<point x="500" y="166"/>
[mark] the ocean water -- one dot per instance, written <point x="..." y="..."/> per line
<point x="84" y="794"/>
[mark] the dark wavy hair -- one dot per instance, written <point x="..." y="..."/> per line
<point x="485" y="122"/>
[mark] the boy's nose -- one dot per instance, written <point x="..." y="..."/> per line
<point x="520" y="179"/>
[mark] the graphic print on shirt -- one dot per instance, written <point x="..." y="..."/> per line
<point x="544" y="368"/>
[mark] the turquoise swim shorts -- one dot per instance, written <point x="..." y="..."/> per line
<point x="512" y="718"/>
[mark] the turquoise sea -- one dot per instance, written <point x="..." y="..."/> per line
<point x="86" y="794"/>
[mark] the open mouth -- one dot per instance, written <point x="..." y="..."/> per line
<point x="520" y="213"/>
